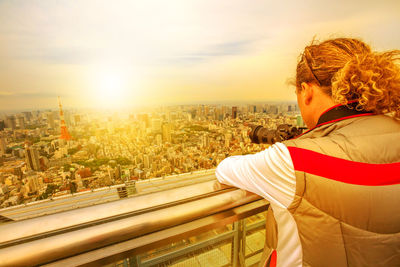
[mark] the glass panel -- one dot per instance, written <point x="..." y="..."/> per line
<point x="213" y="248"/>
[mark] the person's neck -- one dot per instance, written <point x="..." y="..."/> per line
<point x="323" y="104"/>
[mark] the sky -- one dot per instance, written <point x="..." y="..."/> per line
<point x="127" y="53"/>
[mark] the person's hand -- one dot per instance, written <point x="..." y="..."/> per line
<point x="218" y="186"/>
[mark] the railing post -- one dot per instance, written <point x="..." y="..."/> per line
<point x="239" y="245"/>
<point x="134" y="261"/>
<point x="242" y="254"/>
<point x="235" y="245"/>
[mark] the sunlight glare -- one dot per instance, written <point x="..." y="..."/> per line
<point x="111" y="89"/>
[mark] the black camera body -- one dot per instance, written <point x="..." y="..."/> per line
<point x="261" y="135"/>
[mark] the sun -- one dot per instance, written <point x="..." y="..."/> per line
<point x="110" y="89"/>
<point x="113" y="86"/>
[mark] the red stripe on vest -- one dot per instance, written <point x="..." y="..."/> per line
<point x="345" y="171"/>
<point x="273" y="261"/>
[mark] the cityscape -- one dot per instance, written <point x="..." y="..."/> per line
<point x="51" y="153"/>
<point x="114" y="118"/>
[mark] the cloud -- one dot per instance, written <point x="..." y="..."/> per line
<point x="141" y="32"/>
<point x="227" y="48"/>
<point x="17" y="95"/>
<point x="203" y="46"/>
<point x="230" y="48"/>
<point x="66" y="55"/>
<point x="5" y="93"/>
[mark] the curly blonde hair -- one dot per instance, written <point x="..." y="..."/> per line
<point x="347" y="70"/>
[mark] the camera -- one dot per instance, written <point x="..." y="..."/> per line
<point x="260" y="135"/>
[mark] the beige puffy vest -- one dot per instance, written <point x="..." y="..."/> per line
<point x="347" y="201"/>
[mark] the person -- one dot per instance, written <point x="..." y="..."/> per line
<point x="334" y="191"/>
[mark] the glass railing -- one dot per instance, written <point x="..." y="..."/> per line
<point x="202" y="224"/>
<point x="235" y="244"/>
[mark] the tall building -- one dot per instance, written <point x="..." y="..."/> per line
<point x="3" y="146"/>
<point x="273" y="109"/>
<point x="28" y="115"/>
<point x="206" y="110"/>
<point x="50" y="120"/>
<point x="228" y="138"/>
<point x="11" y="122"/>
<point x="2" y="125"/>
<point x="34" y="183"/>
<point x="111" y="176"/>
<point x="220" y="114"/>
<point x="144" y="118"/>
<point x="234" y="112"/>
<point x="199" y="112"/>
<point x="64" y="131"/>
<point x="146" y="161"/>
<point x="223" y="110"/>
<point x="21" y="122"/>
<point x="32" y="158"/>
<point x="166" y="132"/>
<point x="77" y="119"/>
<point x="300" y="121"/>
<point x="159" y="139"/>
<point x="205" y="141"/>
<point x="117" y="171"/>
<point x="156" y="125"/>
<point x="68" y="117"/>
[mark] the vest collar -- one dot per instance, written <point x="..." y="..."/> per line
<point x="338" y="113"/>
<point x="341" y="112"/>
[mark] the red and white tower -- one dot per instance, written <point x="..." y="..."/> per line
<point x="64" y="131"/>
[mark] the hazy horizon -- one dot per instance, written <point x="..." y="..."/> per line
<point x="122" y="54"/>
<point x="144" y="108"/>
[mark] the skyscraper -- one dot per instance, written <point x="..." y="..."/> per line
<point x="3" y="146"/>
<point x="156" y="125"/>
<point x="50" y="120"/>
<point x="234" y="112"/>
<point x="159" y="139"/>
<point x="300" y="121"/>
<point x="205" y="141"/>
<point x="77" y="119"/>
<point x="21" y="122"/>
<point x="228" y="138"/>
<point x="28" y="115"/>
<point x="34" y="183"/>
<point x="166" y="132"/>
<point x="11" y="122"/>
<point x="32" y="158"/>
<point x="145" y="118"/>
<point x="146" y="161"/>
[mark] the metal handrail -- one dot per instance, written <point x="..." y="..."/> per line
<point x="142" y="244"/>
<point x="25" y="229"/>
<point x="49" y="238"/>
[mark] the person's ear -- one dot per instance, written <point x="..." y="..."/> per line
<point x="308" y="92"/>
